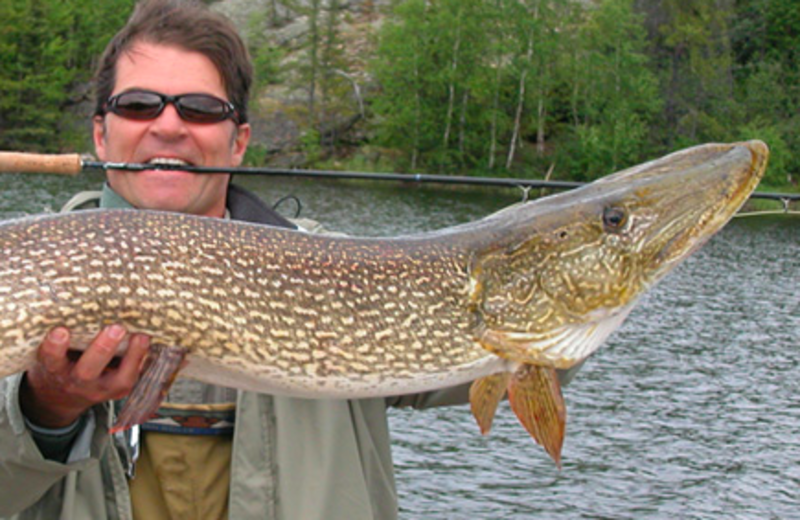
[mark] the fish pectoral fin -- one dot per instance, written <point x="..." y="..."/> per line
<point x="562" y="347"/>
<point x="535" y="396"/>
<point x="158" y="374"/>
<point x="485" y="395"/>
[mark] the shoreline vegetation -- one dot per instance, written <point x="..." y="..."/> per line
<point x="551" y="89"/>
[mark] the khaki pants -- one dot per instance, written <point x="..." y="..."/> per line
<point x="182" y="477"/>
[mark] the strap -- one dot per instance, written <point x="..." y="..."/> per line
<point x="81" y="199"/>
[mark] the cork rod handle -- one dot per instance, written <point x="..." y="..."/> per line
<point x="20" y="162"/>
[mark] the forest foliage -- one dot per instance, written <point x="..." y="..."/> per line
<point x="48" y="51"/>
<point x="574" y="89"/>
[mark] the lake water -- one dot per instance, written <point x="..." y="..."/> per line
<point x="689" y="411"/>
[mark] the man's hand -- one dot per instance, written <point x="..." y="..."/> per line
<point x="58" y="390"/>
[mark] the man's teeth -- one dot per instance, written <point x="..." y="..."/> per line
<point x="165" y="160"/>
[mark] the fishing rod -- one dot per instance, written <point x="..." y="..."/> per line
<point x="73" y="164"/>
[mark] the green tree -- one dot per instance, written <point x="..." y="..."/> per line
<point x="34" y="52"/>
<point x="265" y="55"/>
<point x="538" y="29"/>
<point x="766" y="41"/>
<point x="692" y="42"/>
<point x="47" y="48"/>
<point x="337" y="88"/>
<point x="618" y="97"/>
<point x="458" y="50"/>
<point x="499" y="48"/>
<point x="321" y="69"/>
<point x="402" y="69"/>
<point x="435" y="79"/>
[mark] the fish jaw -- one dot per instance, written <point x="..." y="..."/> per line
<point x="719" y="184"/>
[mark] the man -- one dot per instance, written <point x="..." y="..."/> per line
<point x="172" y="86"/>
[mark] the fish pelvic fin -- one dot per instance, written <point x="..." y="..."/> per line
<point x="485" y="395"/>
<point x="159" y="372"/>
<point x="535" y="396"/>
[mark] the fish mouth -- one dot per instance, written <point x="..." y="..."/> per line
<point x="720" y="191"/>
<point x="760" y="158"/>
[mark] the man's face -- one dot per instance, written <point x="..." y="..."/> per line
<point x="170" y="70"/>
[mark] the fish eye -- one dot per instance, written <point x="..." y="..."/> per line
<point x="614" y="218"/>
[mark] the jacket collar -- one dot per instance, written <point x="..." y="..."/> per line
<point x="242" y="205"/>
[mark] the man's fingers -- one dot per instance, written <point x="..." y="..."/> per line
<point x="58" y="390"/>
<point x="53" y="351"/>
<point x="97" y="357"/>
<point x="128" y="373"/>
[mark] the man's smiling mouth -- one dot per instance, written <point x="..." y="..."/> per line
<point x="171" y="161"/>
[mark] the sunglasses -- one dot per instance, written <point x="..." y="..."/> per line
<point x="143" y="105"/>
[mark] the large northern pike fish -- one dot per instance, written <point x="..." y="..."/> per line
<point x="503" y="301"/>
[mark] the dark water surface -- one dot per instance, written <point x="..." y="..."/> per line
<point x="689" y="411"/>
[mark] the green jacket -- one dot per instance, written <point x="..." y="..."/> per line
<point x="292" y="458"/>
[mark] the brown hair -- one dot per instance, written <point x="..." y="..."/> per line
<point x="192" y="26"/>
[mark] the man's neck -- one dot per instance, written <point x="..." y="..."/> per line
<point x="110" y="199"/>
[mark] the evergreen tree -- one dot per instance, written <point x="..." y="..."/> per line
<point x="321" y="69"/>
<point x="766" y="40"/>
<point x="694" y="48"/>
<point x="47" y="51"/>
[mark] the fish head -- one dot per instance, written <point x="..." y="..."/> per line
<point x="573" y="265"/>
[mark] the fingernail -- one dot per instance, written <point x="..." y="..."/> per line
<point x="58" y="335"/>
<point x="116" y="331"/>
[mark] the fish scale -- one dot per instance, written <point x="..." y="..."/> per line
<point x="238" y="294"/>
<point x="502" y="301"/>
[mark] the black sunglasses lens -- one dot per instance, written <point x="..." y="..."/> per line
<point x="195" y="108"/>
<point x="138" y="105"/>
<point x="201" y="108"/>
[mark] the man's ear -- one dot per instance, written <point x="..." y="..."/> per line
<point x="240" y="141"/>
<point x="99" y="136"/>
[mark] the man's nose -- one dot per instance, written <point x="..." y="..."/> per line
<point x="169" y="122"/>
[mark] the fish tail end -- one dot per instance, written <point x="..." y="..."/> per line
<point x="158" y="374"/>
